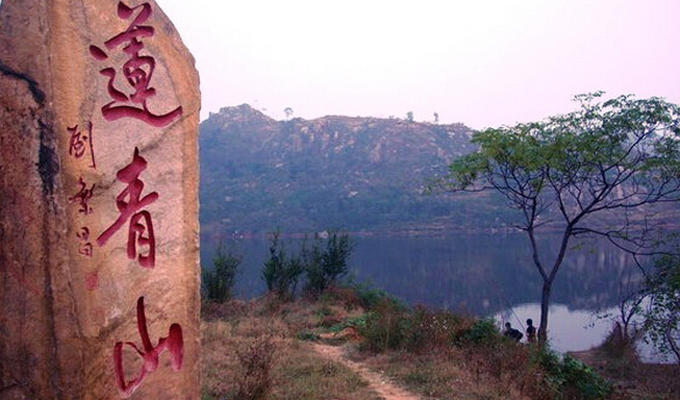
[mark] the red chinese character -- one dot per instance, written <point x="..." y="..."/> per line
<point x="129" y="204"/>
<point x="83" y="196"/>
<point x="174" y="343"/>
<point x="138" y="70"/>
<point x="85" y="247"/>
<point x="80" y="142"/>
<point x="84" y="234"/>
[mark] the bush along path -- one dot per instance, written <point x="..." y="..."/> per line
<point x="376" y="381"/>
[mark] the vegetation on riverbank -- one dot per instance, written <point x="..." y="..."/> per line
<point x="279" y="346"/>
<point x="263" y="349"/>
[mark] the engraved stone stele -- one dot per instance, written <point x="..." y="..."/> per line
<point x="99" y="284"/>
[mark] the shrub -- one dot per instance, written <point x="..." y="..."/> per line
<point x="387" y="326"/>
<point x="343" y="295"/>
<point x="280" y="272"/>
<point x="431" y="330"/>
<point x="218" y="284"/>
<point x="325" y="267"/>
<point x="482" y="332"/>
<point x="256" y="359"/>
<point x="662" y="318"/>
<point x="312" y="259"/>
<point x="359" y="322"/>
<point x="369" y="296"/>
<point x="390" y="325"/>
<point x="621" y="353"/>
<point x="569" y="378"/>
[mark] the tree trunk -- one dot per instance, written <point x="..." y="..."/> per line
<point x="545" y="305"/>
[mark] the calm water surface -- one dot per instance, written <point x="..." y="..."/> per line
<point x="487" y="275"/>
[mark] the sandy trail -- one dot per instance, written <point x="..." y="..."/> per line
<point x="376" y="381"/>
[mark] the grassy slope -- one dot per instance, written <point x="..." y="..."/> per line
<point x="234" y="334"/>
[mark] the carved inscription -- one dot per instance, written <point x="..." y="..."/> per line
<point x="129" y="76"/>
<point x="173" y="343"/>
<point x="81" y="149"/>
<point x="137" y="70"/>
<point x="80" y="144"/>
<point x="130" y="204"/>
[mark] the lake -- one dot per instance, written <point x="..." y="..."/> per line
<point x="489" y="275"/>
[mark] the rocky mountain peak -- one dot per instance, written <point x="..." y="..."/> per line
<point x="356" y="173"/>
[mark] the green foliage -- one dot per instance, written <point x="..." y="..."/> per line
<point x="370" y="296"/>
<point x="217" y="284"/>
<point x="307" y="336"/>
<point x="432" y="329"/>
<point x="662" y="318"/>
<point x="483" y="332"/>
<point x="390" y="325"/>
<point x="324" y="267"/>
<point x="313" y="261"/>
<point x="569" y="378"/>
<point x="610" y="156"/>
<point x="262" y="167"/>
<point x="323" y="262"/>
<point x="360" y="322"/>
<point x="601" y="146"/>
<point x="281" y="272"/>
<point x="387" y="327"/>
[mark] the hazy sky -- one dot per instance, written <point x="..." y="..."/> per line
<point x="480" y="62"/>
<point x="483" y="63"/>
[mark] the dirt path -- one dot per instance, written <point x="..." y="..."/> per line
<point x="376" y="381"/>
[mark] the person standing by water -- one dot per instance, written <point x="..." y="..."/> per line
<point x="531" y="331"/>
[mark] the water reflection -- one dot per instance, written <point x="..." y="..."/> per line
<point x="572" y="330"/>
<point x="482" y="274"/>
<point x="569" y="330"/>
<point x="488" y="273"/>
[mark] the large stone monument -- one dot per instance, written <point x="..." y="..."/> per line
<point x="99" y="284"/>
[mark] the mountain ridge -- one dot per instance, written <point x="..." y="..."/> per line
<point x="360" y="174"/>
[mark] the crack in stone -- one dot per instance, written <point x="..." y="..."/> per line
<point x="38" y="94"/>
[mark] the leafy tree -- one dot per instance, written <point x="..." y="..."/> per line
<point x="611" y="159"/>
<point x="281" y="272"/>
<point x="409" y="116"/>
<point x="325" y="267"/>
<point x="662" y="317"/>
<point x="218" y="283"/>
<point x="338" y="249"/>
<point x="312" y="259"/>
<point x="289" y="112"/>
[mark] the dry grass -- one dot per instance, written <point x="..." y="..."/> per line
<point x="297" y="372"/>
<point x="617" y="360"/>
<point x="445" y="375"/>
<point x="309" y="377"/>
<point x="439" y="358"/>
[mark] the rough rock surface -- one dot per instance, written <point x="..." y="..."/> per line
<point x="99" y="227"/>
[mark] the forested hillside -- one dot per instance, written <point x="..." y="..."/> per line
<point x="357" y="174"/>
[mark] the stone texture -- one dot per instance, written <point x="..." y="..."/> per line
<point x="99" y="204"/>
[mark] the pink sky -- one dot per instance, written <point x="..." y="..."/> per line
<point x="482" y="62"/>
